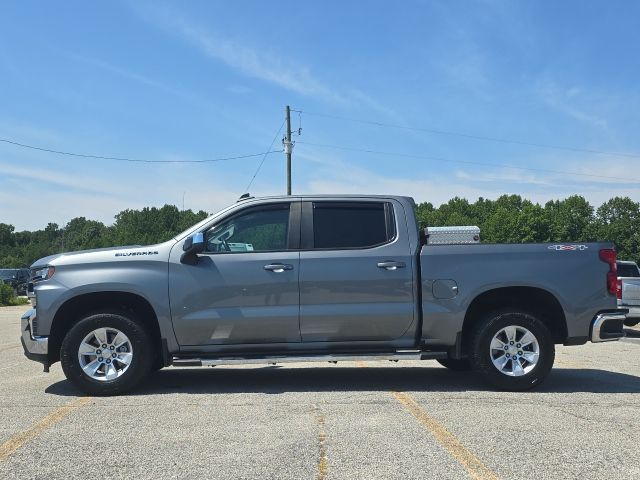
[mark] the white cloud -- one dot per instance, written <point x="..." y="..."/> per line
<point x="504" y="175"/>
<point x="34" y="212"/>
<point x="264" y="65"/>
<point x="144" y="80"/>
<point x="571" y="102"/>
<point x="14" y="129"/>
<point x="55" y="177"/>
<point x="63" y="191"/>
<point x="261" y="63"/>
<point x="331" y="174"/>
<point x="107" y="192"/>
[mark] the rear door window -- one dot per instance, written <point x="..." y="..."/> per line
<point x="348" y="225"/>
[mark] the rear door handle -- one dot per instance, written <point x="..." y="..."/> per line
<point x="278" y="267"/>
<point x="391" y="265"/>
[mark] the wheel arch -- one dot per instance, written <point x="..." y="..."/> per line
<point x="537" y="301"/>
<point x="79" y="306"/>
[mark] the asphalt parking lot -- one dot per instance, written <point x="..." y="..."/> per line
<point x="302" y="421"/>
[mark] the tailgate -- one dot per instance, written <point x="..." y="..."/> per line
<point x="630" y="290"/>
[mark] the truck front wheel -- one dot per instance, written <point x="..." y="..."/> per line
<point x="106" y="353"/>
<point x="512" y="350"/>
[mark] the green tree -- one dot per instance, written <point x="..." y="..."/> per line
<point x="569" y="219"/>
<point x="618" y="220"/>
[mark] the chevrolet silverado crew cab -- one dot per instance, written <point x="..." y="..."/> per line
<point x="318" y="278"/>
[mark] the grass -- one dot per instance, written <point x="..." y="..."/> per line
<point x="8" y="298"/>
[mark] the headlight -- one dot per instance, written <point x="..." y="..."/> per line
<point x="39" y="274"/>
<point x="49" y="273"/>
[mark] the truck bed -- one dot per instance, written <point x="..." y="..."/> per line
<point x="455" y="276"/>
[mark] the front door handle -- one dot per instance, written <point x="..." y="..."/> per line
<point x="278" y="267"/>
<point x="391" y="265"/>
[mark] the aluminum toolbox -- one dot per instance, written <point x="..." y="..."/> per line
<point x="452" y="235"/>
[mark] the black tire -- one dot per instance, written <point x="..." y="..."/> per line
<point x="631" y="322"/>
<point x="457" y="365"/>
<point x="141" y="361"/>
<point x="480" y="356"/>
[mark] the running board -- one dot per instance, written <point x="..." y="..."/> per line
<point x="333" y="358"/>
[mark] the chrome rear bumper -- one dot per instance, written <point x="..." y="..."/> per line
<point x="608" y="326"/>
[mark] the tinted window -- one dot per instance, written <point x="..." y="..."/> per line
<point x="255" y="230"/>
<point x="8" y="274"/>
<point x="351" y="224"/>
<point x="627" y="270"/>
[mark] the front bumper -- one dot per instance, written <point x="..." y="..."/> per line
<point x="35" y="348"/>
<point x="608" y="326"/>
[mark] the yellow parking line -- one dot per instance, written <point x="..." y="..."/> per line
<point x="472" y="464"/>
<point x="9" y="447"/>
<point x="323" y="461"/>
<point x="448" y="440"/>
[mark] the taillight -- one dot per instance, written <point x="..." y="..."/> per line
<point x="608" y="255"/>
<point x="619" y="290"/>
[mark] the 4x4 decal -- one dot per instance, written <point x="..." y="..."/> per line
<point x="562" y="248"/>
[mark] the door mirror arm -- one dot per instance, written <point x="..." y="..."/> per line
<point x="192" y="246"/>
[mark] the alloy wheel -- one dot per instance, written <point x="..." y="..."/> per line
<point x="514" y="351"/>
<point x="105" y="354"/>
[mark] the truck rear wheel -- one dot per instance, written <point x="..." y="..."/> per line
<point x="512" y="350"/>
<point x="106" y="353"/>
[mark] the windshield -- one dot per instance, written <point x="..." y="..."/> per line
<point x="7" y="274"/>
<point x="201" y="224"/>
<point x="628" y="270"/>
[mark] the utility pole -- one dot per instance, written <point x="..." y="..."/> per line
<point x="288" y="147"/>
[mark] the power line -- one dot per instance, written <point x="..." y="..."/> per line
<point x="473" y="137"/>
<point x="137" y="160"/>
<point x="265" y="156"/>
<point x="468" y="162"/>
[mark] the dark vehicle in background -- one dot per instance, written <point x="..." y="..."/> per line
<point x="629" y="291"/>
<point x="17" y="278"/>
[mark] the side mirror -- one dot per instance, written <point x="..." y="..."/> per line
<point x="193" y="245"/>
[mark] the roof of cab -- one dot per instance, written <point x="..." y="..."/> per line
<point x="327" y="196"/>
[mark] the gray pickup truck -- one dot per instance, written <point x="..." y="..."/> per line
<point x="318" y="278"/>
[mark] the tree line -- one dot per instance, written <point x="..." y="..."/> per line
<point x="508" y="219"/>
<point x="512" y="219"/>
<point x="131" y="227"/>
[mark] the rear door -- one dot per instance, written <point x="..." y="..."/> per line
<point x="356" y="271"/>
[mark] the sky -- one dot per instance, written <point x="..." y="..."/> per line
<point x="201" y="80"/>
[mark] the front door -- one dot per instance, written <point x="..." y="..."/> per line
<point x="244" y="287"/>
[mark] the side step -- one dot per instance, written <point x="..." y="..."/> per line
<point x="333" y="358"/>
